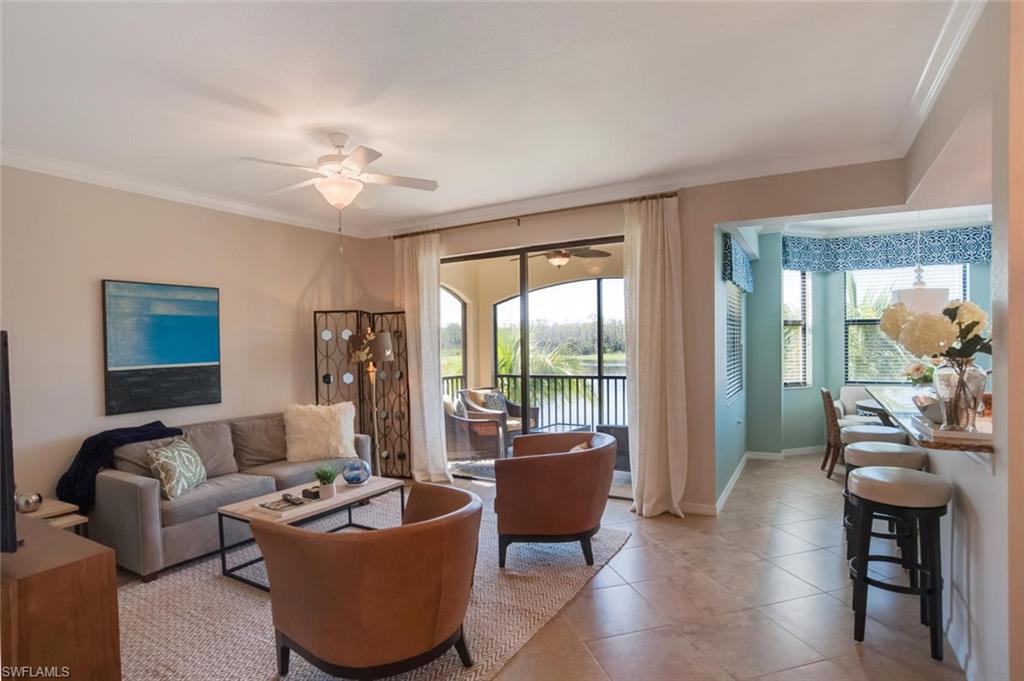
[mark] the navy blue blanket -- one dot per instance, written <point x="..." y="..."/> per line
<point x="78" y="484"/>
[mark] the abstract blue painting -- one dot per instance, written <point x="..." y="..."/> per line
<point x="162" y="345"/>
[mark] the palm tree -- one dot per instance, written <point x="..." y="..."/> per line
<point x="550" y="359"/>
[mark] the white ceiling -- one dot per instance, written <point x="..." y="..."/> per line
<point x="499" y="103"/>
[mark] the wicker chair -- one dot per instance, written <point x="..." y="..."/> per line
<point x="473" y="436"/>
<point x="511" y="417"/>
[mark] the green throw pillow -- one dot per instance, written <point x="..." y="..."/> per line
<point x="178" y="467"/>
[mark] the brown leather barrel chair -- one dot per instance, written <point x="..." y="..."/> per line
<point x="365" y="605"/>
<point x="545" y="493"/>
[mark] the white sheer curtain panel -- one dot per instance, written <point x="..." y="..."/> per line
<point x="418" y="291"/>
<point x="654" y="355"/>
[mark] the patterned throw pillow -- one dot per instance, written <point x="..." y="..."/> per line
<point x="495" y="400"/>
<point x="581" y="447"/>
<point x="178" y="467"/>
<point x="460" y="409"/>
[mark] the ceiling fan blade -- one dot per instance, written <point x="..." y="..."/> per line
<point x="590" y="253"/>
<point x="297" y="185"/>
<point x="280" y="163"/>
<point x="360" y="158"/>
<point x="398" y="181"/>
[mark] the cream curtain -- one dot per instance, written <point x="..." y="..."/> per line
<point x="654" y="355"/>
<point x="418" y="291"/>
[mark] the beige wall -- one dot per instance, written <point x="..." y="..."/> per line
<point x="61" y="237"/>
<point x="571" y="225"/>
<point x="1013" y="445"/>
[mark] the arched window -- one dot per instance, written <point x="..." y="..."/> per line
<point x="453" y="342"/>
<point x="577" y="351"/>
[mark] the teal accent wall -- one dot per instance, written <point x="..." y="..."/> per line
<point x="764" y="349"/>
<point x="781" y="418"/>
<point x="979" y="290"/>
<point x="730" y="414"/>
<point x="800" y="428"/>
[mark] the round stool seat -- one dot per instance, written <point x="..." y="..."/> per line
<point x="885" y="454"/>
<point x="868" y="433"/>
<point x="900" y="487"/>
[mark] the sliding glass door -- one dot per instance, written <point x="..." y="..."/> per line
<point x="545" y="327"/>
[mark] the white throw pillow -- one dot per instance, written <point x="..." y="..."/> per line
<point x="319" y="431"/>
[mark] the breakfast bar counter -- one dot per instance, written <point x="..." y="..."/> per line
<point x="897" y="401"/>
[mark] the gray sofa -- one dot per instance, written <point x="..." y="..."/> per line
<point x="243" y="457"/>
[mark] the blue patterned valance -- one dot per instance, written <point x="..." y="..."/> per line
<point x="881" y="251"/>
<point x="736" y="264"/>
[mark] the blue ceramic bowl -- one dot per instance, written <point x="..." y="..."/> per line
<point x="355" y="472"/>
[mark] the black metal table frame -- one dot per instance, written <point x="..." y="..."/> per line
<point x="232" y="571"/>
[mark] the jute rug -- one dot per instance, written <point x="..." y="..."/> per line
<point x="192" y="623"/>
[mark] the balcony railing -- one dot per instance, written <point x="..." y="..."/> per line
<point x="582" y="400"/>
<point x="451" y="385"/>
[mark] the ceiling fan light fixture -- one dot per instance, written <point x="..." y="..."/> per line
<point x="558" y="258"/>
<point x="339" y="191"/>
<point x="593" y="266"/>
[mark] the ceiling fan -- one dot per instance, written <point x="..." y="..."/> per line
<point x="341" y="175"/>
<point x="561" y="256"/>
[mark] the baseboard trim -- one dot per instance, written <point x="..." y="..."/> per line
<point x="724" y="496"/>
<point x="764" y="456"/>
<point x="698" y="509"/>
<point x="800" y="451"/>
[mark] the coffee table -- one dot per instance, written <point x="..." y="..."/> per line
<point x="344" y="500"/>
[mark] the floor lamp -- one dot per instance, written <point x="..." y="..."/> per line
<point x="376" y="349"/>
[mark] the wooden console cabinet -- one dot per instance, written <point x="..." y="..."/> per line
<point x="59" y="604"/>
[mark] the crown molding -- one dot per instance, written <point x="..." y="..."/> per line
<point x="38" y="163"/>
<point x="960" y="21"/>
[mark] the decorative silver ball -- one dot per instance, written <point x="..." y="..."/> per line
<point x="26" y="503"/>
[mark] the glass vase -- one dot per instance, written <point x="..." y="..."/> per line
<point x="959" y="386"/>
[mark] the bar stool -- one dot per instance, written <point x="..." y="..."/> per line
<point x="860" y="454"/>
<point x="864" y="433"/>
<point x="918" y="499"/>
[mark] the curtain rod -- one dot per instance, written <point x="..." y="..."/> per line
<point x="517" y="218"/>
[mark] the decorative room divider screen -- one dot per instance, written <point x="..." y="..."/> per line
<point x="339" y="378"/>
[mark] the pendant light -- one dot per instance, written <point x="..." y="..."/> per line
<point x="920" y="297"/>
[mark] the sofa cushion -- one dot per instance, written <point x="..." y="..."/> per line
<point x="293" y="473"/>
<point x="258" y="440"/>
<point x="134" y="457"/>
<point x="315" y="431"/>
<point x="210" y="495"/>
<point x="212" y="441"/>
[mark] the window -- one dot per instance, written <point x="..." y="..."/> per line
<point x="577" y="350"/>
<point x="871" y="357"/>
<point x="733" y="340"/>
<point x="796" y="300"/>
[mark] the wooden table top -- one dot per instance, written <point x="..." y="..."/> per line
<point x="897" y="402"/>
<point x="346" y="495"/>
<point x="51" y="508"/>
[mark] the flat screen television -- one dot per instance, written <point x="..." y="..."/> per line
<point x="8" y="526"/>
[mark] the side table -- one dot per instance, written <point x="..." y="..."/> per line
<point x="62" y="515"/>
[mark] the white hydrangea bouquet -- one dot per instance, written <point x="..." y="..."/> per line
<point x="955" y="336"/>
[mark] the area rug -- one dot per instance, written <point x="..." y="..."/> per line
<point x="193" y="623"/>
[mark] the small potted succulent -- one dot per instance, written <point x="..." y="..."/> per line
<point x="326" y="475"/>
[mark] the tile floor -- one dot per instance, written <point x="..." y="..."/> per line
<point x="759" y="591"/>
